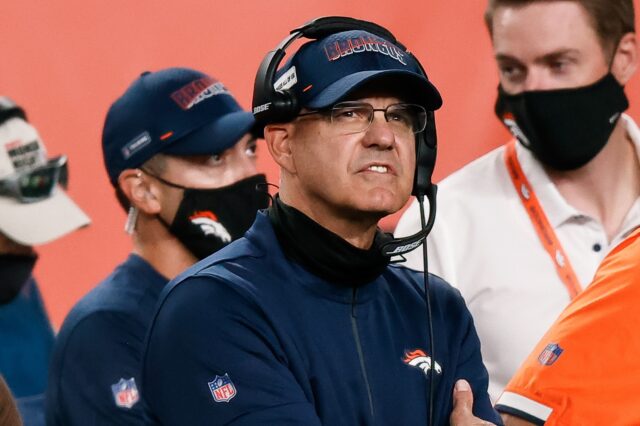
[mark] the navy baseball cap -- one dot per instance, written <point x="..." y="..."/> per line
<point x="177" y="111"/>
<point x="323" y="72"/>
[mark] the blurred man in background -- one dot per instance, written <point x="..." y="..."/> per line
<point x="522" y="230"/>
<point x="34" y="210"/>
<point x="180" y="154"/>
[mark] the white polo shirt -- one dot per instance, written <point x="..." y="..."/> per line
<point x="484" y="244"/>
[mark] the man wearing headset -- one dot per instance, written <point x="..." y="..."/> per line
<point x="179" y="152"/>
<point x="34" y="210"/>
<point x="303" y="321"/>
<point x="522" y="230"/>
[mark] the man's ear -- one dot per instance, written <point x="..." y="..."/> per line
<point x="625" y="60"/>
<point x="278" y="139"/>
<point x="140" y="191"/>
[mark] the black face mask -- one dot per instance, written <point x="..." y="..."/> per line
<point x="15" y="270"/>
<point x="209" y="219"/>
<point x="565" y="128"/>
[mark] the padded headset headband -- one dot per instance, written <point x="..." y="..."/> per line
<point x="9" y="109"/>
<point x="271" y="105"/>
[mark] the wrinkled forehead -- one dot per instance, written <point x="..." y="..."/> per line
<point x="20" y="147"/>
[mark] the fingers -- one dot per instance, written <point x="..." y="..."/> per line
<point x="462" y="414"/>
<point x="463" y="396"/>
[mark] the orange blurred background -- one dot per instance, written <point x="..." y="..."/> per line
<point x="66" y="61"/>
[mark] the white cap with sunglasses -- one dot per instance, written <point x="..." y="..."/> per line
<point x="34" y="209"/>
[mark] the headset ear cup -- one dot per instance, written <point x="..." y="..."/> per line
<point x="426" y="150"/>
<point x="285" y="107"/>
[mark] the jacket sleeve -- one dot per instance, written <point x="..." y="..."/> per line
<point x="213" y="357"/>
<point x="471" y="367"/>
<point x="88" y="360"/>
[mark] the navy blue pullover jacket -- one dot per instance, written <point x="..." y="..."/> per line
<point x="247" y="337"/>
<point x="95" y="368"/>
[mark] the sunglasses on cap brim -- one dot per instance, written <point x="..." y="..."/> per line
<point x="36" y="184"/>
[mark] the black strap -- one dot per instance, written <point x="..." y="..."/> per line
<point x="327" y="25"/>
<point x="9" y="109"/>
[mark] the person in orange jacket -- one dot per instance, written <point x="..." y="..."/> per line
<point x="584" y="369"/>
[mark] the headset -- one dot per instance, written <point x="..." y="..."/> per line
<point x="280" y="106"/>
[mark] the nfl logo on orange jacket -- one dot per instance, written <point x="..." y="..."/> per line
<point x="550" y="354"/>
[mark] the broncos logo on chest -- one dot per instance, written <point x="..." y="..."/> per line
<point x="419" y="359"/>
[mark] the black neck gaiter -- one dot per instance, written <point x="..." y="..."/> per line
<point x="322" y="252"/>
<point x="15" y="270"/>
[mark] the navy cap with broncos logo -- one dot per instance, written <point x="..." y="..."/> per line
<point x="323" y="72"/>
<point x="176" y="111"/>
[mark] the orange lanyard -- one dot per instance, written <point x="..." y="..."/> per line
<point x="540" y="222"/>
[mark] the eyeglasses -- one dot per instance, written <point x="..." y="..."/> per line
<point x="37" y="184"/>
<point x="356" y="117"/>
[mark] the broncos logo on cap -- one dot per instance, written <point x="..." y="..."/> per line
<point x="209" y="225"/>
<point x="419" y="359"/>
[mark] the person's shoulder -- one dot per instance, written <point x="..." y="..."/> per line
<point x="615" y="283"/>
<point x="627" y="252"/>
<point x="255" y="253"/>
<point x="237" y="267"/>
<point x="111" y="294"/>
<point x="235" y="260"/>
<point x="120" y="295"/>
<point x="215" y="290"/>
<point x="615" y="286"/>
<point x="416" y="279"/>
<point x="93" y="330"/>
<point x="94" y="303"/>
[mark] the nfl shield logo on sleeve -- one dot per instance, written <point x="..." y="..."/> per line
<point x="125" y="393"/>
<point x="550" y="354"/>
<point x="222" y="389"/>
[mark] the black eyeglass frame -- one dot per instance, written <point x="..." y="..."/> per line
<point x="422" y="117"/>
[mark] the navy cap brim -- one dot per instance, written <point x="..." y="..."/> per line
<point x="215" y="137"/>
<point x="423" y="91"/>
